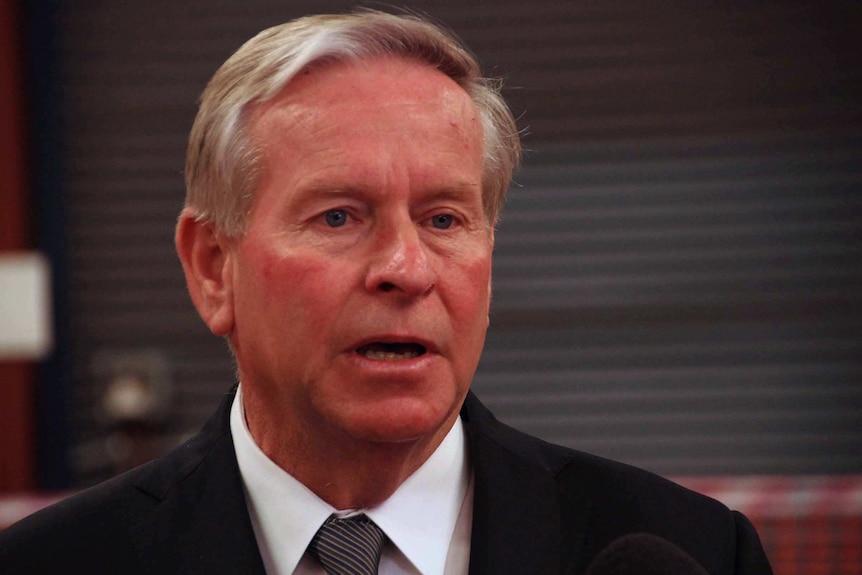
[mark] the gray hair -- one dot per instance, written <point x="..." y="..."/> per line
<point x="222" y="161"/>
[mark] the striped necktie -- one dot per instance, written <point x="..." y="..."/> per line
<point x="348" y="546"/>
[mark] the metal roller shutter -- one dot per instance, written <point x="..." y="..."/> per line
<point x="677" y="271"/>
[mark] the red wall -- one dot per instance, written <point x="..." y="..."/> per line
<point x="17" y="378"/>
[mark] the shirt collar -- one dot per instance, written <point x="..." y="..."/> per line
<point x="419" y="518"/>
<point x="421" y="515"/>
<point x="285" y="514"/>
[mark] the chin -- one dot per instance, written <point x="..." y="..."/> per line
<point x="402" y="420"/>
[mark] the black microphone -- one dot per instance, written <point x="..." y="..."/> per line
<point x="644" y="554"/>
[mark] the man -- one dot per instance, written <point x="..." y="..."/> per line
<point x="344" y="176"/>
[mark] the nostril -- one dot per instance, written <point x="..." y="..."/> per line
<point x="387" y="286"/>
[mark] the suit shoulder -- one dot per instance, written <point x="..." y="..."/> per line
<point x="76" y="529"/>
<point x="628" y="487"/>
<point x="599" y="500"/>
<point x="603" y="479"/>
<point x="621" y="499"/>
<point x="96" y="523"/>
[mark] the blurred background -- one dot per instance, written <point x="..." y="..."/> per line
<point x="677" y="278"/>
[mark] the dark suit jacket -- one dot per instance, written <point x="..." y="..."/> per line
<point x="538" y="509"/>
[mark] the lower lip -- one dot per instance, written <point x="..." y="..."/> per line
<point x="412" y="364"/>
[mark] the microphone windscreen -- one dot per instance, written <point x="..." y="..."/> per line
<point x="644" y="554"/>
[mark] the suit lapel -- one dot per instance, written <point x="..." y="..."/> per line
<point x="517" y="525"/>
<point x="201" y="524"/>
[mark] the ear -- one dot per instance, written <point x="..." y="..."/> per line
<point x="207" y="263"/>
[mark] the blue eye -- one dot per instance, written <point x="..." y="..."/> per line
<point x="442" y="221"/>
<point x="335" y="218"/>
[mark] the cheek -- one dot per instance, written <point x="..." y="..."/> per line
<point x="481" y="278"/>
<point x="472" y="295"/>
<point x="270" y="284"/>
<point x="299" y="287"/>
<point x="275" y="278"/>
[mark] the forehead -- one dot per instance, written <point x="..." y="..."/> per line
<point x="362" y="92"/>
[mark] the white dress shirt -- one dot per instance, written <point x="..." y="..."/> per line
<point x="428" y="519"/>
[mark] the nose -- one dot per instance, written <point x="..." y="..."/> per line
<point x="400" y="262"/>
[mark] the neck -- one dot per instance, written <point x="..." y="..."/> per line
<point x="364" y="480"/>
<point x="344" y="471"/>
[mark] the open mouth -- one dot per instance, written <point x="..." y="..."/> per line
<point x="391" y="351"/>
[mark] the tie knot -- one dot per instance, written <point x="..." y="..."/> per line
<point x="348" y="546"/>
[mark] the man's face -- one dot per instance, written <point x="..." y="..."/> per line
<point x="361" y="288"/>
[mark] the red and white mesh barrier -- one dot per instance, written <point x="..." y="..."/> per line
<point x="809" y="525"/>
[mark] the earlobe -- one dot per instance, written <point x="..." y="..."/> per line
<point x="207" y="262"/>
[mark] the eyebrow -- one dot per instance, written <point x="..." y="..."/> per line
<point x="458" y="193"/>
